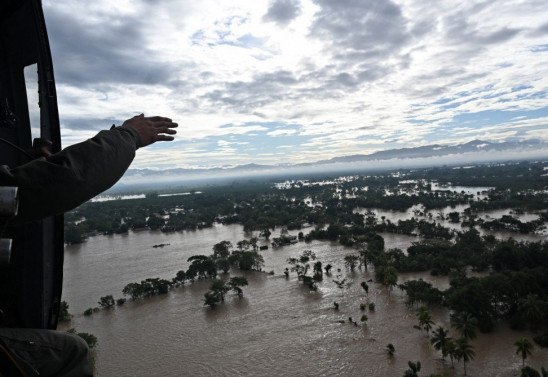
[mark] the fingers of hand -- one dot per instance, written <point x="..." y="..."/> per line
<point x="165" y="130"/>
<point x="163" y="124"/>
<point x="164" y="138"/>
<point x="158" y="119"/>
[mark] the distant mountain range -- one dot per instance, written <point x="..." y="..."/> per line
<point x="441" y="150"/>
<point x="434" y="150"/>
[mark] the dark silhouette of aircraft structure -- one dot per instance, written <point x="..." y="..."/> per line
<point x="31" y="255"/>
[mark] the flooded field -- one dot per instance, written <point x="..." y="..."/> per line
<point x="278" y="328"/>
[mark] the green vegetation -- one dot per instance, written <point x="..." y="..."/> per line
<point x="64" y="314"/>
<point x="147" y="287"/>
<point x="425" y="319"/>
<point x="220" y="288"/>
<point x="259" y="206"/>
<point x="414" y="369"/>
<point x="106" y="302"/>
<point x="524" y="348"/>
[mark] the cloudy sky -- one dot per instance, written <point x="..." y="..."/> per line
<point x="289" y="81"/>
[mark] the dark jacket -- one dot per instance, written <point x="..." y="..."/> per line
<point x="76" y="174"/>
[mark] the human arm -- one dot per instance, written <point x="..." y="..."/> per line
<point x="76" y="174"/>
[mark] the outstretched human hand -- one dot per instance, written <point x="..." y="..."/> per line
<point x="151" y="129"/>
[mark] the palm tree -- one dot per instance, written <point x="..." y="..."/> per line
<point x="390" y="349"/>
<point x="451" y="350"/>
<point x="365" y="287"/>
<point x="523" y="348"/>
<point x="439" y="340"/>
<point x="425" y="319"/>
<point x="531" y="309"/>
<point x="464" y="351"/>
<point x="363" y="257"/>
<point x="466" y="324"/>
<point x="350" y="261"/>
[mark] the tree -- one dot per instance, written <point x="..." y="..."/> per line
<point x="465" y="324"/>
<point x="390" y="278"/>
<point x="451" y="349"/>
<point x="266" y="233"/>
<point x="414" y="369"/>
<point x="155" y="222"/>
<point x="180" y="277"/>
<point x="106" y="302"/>
<point x="439" y="340"/>
<point x="73" y="234"/>
<point x="390" y="349"/>
<point x="310" y="283"/>
<point x="219" y="288"/>
<point x="307" y="256"/>
<point x="351" y="261"/>
<point x="253" y="241"/>
<point x="523" y="348"/>
<point x="318" y="272"/>
<point x="223" y="264"/>
<point x="464" y="351"/>
<point x="425" y="319"/>
<point x="222" y="249"/>
<point x="243" y="245"/>
<point x="532" y="309"/>
<point x="236" y="283"/>
<point x="201" y="266"/>
<point x="364" y="255"/>
<point x="249" y="260"/>
<point x="211" y="299"/>
<point x="328" y="268"/>
<point x="64" y="314"/>
<point x="365" y="287"/>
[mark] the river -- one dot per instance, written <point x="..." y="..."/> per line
<point x="278" y="328"/>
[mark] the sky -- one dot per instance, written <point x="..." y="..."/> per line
<point x="291" y="81"/>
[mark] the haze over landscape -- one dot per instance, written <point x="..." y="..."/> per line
<point x="293" y="82"/>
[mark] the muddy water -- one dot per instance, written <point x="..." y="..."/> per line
<point x="278" y="328"/>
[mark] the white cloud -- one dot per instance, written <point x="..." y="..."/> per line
<point x="351" y="75"/>
<point x="282" y="132"/>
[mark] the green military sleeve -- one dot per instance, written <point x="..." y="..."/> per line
<point x="76" y="174"/>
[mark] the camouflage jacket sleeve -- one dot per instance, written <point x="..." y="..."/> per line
<point x="76" y="174"/>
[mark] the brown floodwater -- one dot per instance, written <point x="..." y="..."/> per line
<point x="278" y="328"/>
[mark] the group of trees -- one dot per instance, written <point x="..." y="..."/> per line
<point x="515" y="290"/>
<point x="245" y="257"/>
<point x="460" y="348"/>
<point x="146" y="288"/>
<point x="260" y="206"/>
<point x="301" y="265"/>
<point x="219" y="288"/>
<point x="507" y="222"/>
